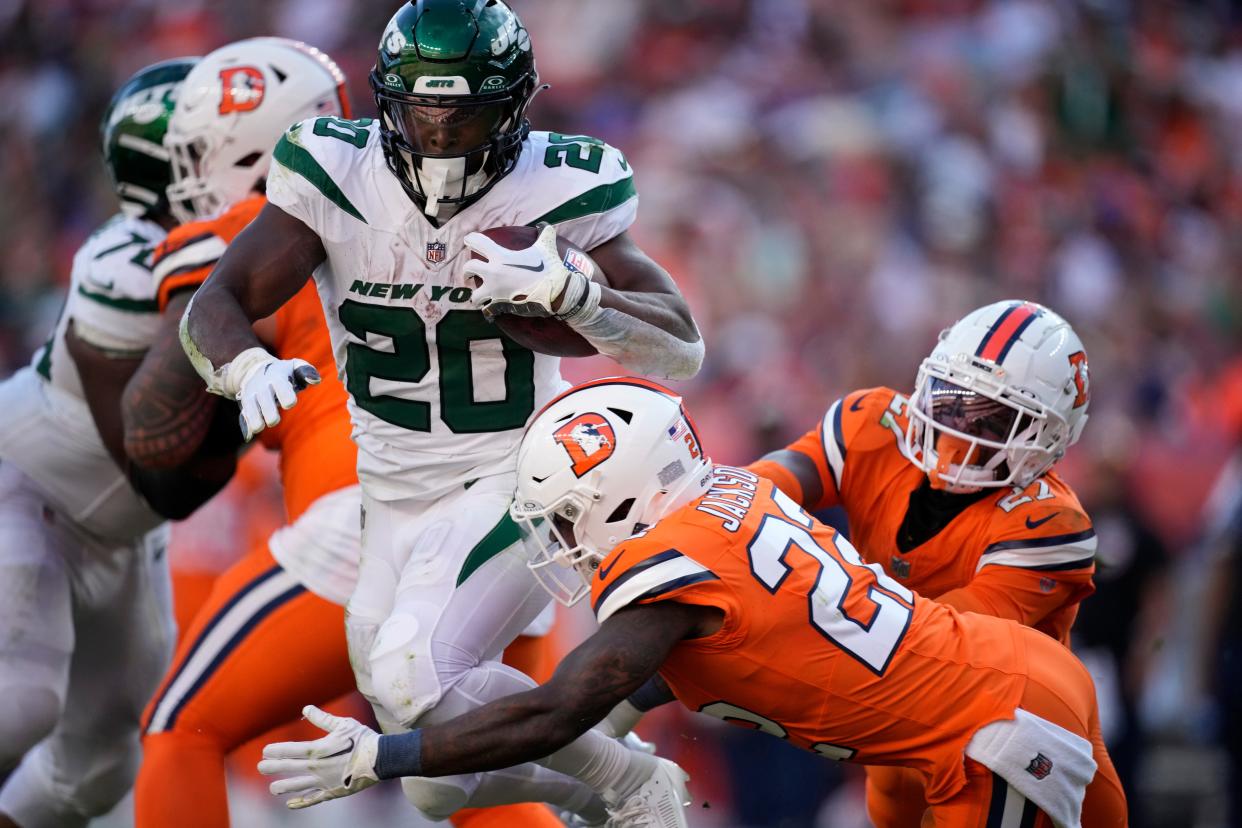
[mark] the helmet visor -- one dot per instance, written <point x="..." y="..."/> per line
<point x="972" y="415"/>
<point x="447" y="131"/>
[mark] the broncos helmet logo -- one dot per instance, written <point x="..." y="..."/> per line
<point x="588" y="439"/>
<point x="242" y="89"/>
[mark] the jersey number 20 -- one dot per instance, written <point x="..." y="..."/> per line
<point x="871" y="640"/>
<point x="410" y="360"/>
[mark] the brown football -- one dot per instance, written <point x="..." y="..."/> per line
<point x="541" y="334"/>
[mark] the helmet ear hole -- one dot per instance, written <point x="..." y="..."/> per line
<point x="623" y="414"/>
<point x="622" y="511"/>
<point x="249" y="160"/>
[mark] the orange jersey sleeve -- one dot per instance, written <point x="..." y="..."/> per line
<point x="186" y="257"/>
<point x="1039" y="560"/>
<point x="826" y="446"/>
<point x="1045" y="600"/>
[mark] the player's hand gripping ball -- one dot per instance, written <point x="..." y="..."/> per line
<point x="516" y="274"/>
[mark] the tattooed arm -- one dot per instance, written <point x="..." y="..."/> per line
<point x="180" y="442"/>
<point x="165" y="409"/>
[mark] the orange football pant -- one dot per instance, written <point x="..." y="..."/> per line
<point x="1064" y="697"/>
<point x="259" y="649"/>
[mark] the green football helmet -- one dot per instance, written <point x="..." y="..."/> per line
<point x="452" y="83"/>
<point x="133" y="130"/>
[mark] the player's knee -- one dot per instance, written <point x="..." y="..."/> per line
<point x="403" y="680"/>
<point x="27" y="715"/>
<point x="437" y="799"/>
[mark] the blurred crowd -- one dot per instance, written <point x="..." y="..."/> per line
<point x="831" y="182"/>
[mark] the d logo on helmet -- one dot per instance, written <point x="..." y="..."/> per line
<point x="243" y="88"/>
<point x="588" y="439"/>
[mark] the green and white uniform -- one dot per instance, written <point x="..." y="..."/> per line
<point x="54" y="440"/>
<point x="437" y="396"/>
<point x="439" y="402"/>
<point x="85" y="598"/>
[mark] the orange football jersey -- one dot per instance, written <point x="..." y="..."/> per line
<point x="317" y="455"/>
<point x="1023" y="554"/>
<point x="816" y="646"/>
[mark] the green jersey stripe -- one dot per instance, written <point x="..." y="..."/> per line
<point x="503" y="535"/>
<point x="297" y="159"/>
<point x="120" y="303"/>
<point x="598" y="200"/>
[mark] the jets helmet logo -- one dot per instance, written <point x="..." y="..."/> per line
<point x="242" y="89"/>
<point x="1082" y="378"/>
<point x="588" y="439"/>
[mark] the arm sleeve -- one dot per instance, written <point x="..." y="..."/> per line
<point x="644" y="573"/>
<point x="604" y="211"/>
<point x="111" y="305"/>
<point x="1027" y="596"/>
<point x="310" y="177"/>
<point x="185" y="263"/>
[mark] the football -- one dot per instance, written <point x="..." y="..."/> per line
<point x="541" y="334"/>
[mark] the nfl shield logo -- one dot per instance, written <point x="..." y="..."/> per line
<point x="436" y="252"/>
<point x="1040" y="766"/>
<point x="900" y="567"/>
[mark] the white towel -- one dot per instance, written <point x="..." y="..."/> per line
<point x="1046" y="763"/>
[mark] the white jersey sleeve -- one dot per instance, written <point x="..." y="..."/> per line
<point x="586" y="188"/>
<point x="111" y="299"/>
<point x="314" y="175"/>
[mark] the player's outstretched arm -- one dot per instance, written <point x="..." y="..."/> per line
<point x="642" y="320"/>
<point x="614" y="662"/>
<point x="262" y="269"/>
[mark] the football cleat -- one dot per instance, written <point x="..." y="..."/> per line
<point x="660" y="802"/>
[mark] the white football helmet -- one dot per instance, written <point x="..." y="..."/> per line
<point x="604" y="459"/>
<point x="231" y="111"/>
<point x="1002" y="396"/>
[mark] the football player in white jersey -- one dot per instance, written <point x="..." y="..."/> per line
<point x="387" y="212"/>
<point x="86" y="626"/>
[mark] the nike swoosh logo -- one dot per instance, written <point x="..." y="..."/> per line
<point x="531" y="268"/>
<point x="604" y="572"/>
<point x="1035" y="524"/>
<point x="856" y="405"/>
<point x="343" y="751"/>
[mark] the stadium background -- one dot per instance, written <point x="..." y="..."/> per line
<point x="830" y="182"/>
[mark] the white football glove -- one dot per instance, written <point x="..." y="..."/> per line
<point x="522" y="282"/>
<point x="339" y="764"/>
<point x="265" y="382"/>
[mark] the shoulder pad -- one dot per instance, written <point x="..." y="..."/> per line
<point x="642" y="569"/>
<point x="579" y="177"/>
<point x="321" y="154"/>
<point x="862" y="420"/>
<point x="113" y="267"/>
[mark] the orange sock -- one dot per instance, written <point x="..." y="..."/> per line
<point x="525" y="815"/>
<point x="182" y="774"/>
